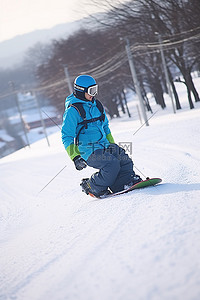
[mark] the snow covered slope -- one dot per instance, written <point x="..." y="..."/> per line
<point x="61" y="244"/>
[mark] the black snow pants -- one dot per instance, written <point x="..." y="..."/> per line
<point x="115" y="169"/>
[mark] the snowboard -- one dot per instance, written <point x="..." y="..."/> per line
<point x="140" y="185"/>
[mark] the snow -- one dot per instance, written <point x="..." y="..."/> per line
<point x="5" y="137"/>
<point x="60" y="244"/>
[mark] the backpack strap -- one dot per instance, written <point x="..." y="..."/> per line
<point x="100" y="106"/>
<point x="79" y="107"/>
<point x="101" y="117"/>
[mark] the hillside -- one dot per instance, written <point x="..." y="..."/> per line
<point x="62" y="244"/>
<point x="12" y="51"/>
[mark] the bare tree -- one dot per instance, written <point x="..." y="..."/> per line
<point x="174" y="20"/>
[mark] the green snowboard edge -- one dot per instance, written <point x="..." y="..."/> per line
<point x="140" y="185"/>
<point x="145" y="183"/>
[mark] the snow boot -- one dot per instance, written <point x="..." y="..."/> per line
<point x="86" y="188"/>
<point x="134" y="180"/>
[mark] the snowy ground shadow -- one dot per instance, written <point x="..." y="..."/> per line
<point x="170" y="188"/>
<point x="163" y="188"/>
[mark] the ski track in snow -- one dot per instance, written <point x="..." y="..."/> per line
<point x="61" y="244"/>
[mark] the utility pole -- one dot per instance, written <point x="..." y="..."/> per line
<point x="135" y="80"/>
<point x="68" y="79"/>
<point x="41" y="119"/>
<point x="12" y="85"/>
<point x="166" y="71"/>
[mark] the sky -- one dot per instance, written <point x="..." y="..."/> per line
<point x="22" y="16"/>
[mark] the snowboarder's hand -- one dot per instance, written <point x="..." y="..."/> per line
<point x="79" y="162"/>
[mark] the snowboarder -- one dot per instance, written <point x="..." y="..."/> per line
<point x="88" y="141"/>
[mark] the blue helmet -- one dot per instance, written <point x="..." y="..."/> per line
<point x="85" y="84"/>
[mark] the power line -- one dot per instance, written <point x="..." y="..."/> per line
<point x="116" y="61"/>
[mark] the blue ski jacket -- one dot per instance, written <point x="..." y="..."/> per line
<point x="97" y="135"/>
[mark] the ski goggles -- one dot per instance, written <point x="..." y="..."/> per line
<point x="92" y="90"/>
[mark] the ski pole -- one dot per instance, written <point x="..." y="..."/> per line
<point x="51" y="180"/>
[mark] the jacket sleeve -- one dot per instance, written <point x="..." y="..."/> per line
<point x="107" y="130"/>
<point x="70" y="122"/>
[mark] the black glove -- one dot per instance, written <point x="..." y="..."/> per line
<point x="79" y="162"/>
